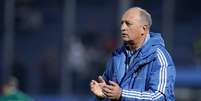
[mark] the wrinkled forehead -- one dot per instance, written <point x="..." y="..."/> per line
<point x="131" y="14"/>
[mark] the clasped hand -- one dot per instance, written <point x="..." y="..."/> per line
<point x="103" y="90"/>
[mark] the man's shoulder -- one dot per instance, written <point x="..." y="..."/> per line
<point x="162" y="53"/>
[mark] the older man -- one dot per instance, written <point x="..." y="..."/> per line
<point x="142" y="69"/>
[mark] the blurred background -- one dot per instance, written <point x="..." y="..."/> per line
<point x="53" y="48"/>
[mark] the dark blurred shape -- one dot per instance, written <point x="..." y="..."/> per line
<point x="197" y="49"/>
<point x="19" y="70"/>
<point x="49" y="72"/>
<point x="10" y="91"/>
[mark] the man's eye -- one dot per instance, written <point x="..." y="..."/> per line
<point x="122" y="22"/>
<point x="128" y="23"/>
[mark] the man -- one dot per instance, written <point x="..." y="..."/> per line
<point x="142" y="69"/>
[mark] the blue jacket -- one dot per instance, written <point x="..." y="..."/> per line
<point x="150" y="76"/>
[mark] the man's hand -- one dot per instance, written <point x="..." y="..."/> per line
<point x="96" y="87"/>
<point x="112" y="91"/>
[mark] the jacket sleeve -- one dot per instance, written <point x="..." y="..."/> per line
<point x="160" y="82"/>
<point x="107" y="74"/>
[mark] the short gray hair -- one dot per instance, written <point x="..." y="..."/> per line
<point x="144" y="15"/>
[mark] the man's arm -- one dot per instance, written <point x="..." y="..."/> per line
<point x="160" y="84"/>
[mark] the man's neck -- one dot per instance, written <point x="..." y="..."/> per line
<point x="134" y="47"/>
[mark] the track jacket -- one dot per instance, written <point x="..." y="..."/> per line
<point x="146" y="75"/>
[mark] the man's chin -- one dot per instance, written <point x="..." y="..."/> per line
<point x="128" y="42"/>
<point x="125" y="40"/>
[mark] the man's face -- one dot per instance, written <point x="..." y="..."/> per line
<point x="132" y="27"/>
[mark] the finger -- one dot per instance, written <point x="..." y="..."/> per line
<point x="92" y="86"/>
<point x="106" y="90"/>
<point x="113" y="83"/>
<point x="100" y="79"/>
<point x="91" y="83"/>
<point x="108" y="95"/>
<point x="108" y="87"/>
<point x="94" y="82"/>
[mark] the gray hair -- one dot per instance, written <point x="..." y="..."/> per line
<point x="144" y="15"/>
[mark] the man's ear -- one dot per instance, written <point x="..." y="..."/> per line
<point x="145" y="27"/>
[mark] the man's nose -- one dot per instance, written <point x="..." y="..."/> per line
<point x="123" y="27"/>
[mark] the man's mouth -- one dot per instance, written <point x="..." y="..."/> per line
<point x="124" y="34"/>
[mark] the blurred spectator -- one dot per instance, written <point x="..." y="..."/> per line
<point x="10" y="91"/>
<point x="77" y="62"/>
<point x="76" y="56"/>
